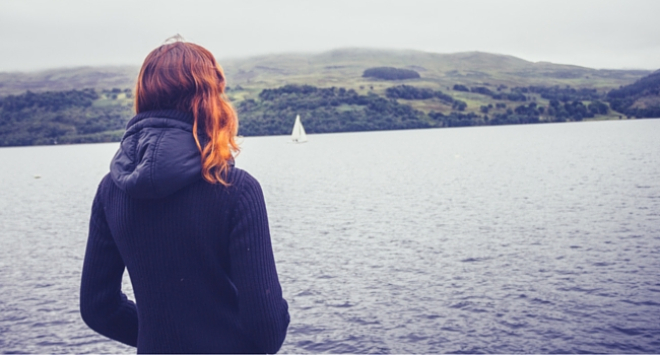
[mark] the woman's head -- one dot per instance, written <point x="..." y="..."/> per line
<point x="186" y="77"/>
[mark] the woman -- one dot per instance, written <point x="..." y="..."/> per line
<point x="190" y="228"/>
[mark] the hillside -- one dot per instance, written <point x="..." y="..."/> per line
<point x="344" y="67"/>
<point x="337" y="91"/>
<point x="639" y="99"/>
<point x="68" y="79"/>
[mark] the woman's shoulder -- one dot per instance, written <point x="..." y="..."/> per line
<point x="241" y="179"/>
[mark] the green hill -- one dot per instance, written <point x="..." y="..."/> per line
<point x="332" y="94"/>
<point x="344" y="67"/>
<point x="347" y="65"/>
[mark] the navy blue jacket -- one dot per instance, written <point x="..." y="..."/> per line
<point x="199" y="255"/>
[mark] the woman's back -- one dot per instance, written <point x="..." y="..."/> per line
<point x="187" y="267"/>
<point x="198" y="253"/>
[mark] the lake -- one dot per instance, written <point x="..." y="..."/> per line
<point x="511" y="239"/>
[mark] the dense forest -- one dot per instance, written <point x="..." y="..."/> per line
<point x="324" y="110"/>
<point x="341" y="110"/>
<point x="413" y="93"/>
<point x="90" y="115"/>
<point x="73" y="116"/>
<point x="640" y="99"/>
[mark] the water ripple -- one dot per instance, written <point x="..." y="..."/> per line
<point x="539" y="239"/>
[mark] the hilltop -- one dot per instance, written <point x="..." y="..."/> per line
<point x="470" y="68"/>
<point x="344" y="67"/>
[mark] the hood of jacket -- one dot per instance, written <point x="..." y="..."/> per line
<point x="157" y="155"/>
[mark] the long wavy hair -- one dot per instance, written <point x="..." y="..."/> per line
<point x="186" y="77"/>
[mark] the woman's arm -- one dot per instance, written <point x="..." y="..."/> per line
<point x="103" y="306"/>
<point x="262" y="310"/>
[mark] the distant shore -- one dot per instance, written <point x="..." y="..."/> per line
<point x="338" y="91"/>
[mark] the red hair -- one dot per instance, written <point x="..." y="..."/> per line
<point x="186" y="77"/>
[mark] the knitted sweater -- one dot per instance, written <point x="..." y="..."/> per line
<point x="199" y="255"/>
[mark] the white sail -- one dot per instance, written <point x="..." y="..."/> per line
<point x="298" y="134"/>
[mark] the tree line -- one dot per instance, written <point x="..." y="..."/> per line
<point x="565" y="101"/>
<point x="324" y="110"/>
<point x="88" y="115"/>
<point x="624" y="98"/>
<point x="340" y="110"/>
<point x="409" y="92"/>
<point x="61" y="117"/>
<point x="563" y="94"/>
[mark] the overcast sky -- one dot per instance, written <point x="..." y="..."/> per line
<point x="592" y="33"/>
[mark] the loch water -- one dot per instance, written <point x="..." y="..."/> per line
<point x="511" y="239"/>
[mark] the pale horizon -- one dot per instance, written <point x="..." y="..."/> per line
<point x="40" y="35"/>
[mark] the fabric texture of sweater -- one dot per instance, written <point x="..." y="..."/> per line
<point x="199" y="254"/>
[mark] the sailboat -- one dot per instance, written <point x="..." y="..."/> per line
<point x="298" y="134"/>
